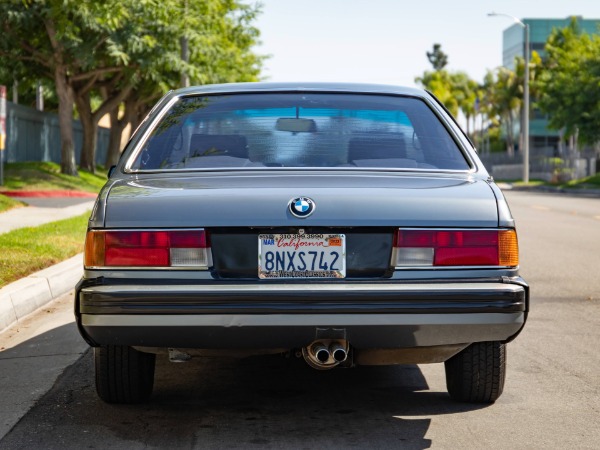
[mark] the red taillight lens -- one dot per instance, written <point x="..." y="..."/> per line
<point x="135" y="248"/>
<point x="456" y="248"/>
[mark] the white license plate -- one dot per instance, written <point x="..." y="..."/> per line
<point x="301" y="255"/>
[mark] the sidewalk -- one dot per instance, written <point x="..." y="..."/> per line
<point x="24" y="296"/>
<point x="33" y="216"/>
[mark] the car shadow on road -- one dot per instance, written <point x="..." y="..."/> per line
<point x="265" y="401"/>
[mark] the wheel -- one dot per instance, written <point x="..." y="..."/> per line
<point x="477" y="373"/>
<point x="123" y="374"/>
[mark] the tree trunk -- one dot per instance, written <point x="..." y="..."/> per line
<point x="87" y="159"/>
<point x="90" y="119"/>
<point x="130" y="114"/>
<point x="140" y="113"/>
<point x="510" y="138"/>
<point x="64" y="93"/>
<point x="468" y="117"/>
<point x="114" y="142"/>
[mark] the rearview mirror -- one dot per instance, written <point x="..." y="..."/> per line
<point x="296" y="125"/>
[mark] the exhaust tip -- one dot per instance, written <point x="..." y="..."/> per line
<point x="322" y="354"/>
<point x="338" y="352"/>
<point x="326" y="354"/>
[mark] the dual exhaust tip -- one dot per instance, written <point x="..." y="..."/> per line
<point x="326" y="353"/>
<point x="335" y="351"/>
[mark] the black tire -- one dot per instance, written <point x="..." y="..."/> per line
<point x="123" y="374"/>
<point x="477" y="373"/>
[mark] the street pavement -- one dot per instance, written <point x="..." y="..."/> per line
<point x="32" y="312"/>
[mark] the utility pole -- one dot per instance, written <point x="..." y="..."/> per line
<point x="185" y="56"/>
<point x="2" y="131"/>
<point x="15" y="91"/>
<point x="39" y="97"/>
<point x="526" y="109"/>
<point x="185" y="52"/>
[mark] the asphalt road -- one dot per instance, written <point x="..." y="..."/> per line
<point x="551" y="397"/>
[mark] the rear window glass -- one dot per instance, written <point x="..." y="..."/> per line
<point x="299" y="130"/>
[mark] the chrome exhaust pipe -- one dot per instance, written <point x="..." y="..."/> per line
<point x="321" y="353"/>
<point x="338" y="352"/>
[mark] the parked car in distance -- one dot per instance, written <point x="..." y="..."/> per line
<point x="346" y="224"/>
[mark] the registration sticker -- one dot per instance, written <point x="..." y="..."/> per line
<point x="302" y="256"/>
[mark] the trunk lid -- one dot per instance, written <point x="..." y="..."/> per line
<point x="261" y="200"/>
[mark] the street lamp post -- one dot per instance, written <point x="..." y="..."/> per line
<point x="525" y="95"/>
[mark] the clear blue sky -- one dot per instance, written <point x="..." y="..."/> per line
<point x="385" y="41"/>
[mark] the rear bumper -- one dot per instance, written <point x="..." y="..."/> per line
<point x="259" y="315"/>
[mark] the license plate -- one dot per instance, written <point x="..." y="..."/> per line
<point x="301" y="256"/>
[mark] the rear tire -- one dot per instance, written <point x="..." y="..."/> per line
<point x="477" y="373"/>
<point x="123" y="374"/>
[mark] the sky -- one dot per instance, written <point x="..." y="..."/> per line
<point x="385" y="41"/>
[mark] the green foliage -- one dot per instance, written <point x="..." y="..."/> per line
<point x="440" y="84"/>
<point x="7" y="203"/>
<point x="503" y="100"/>
<point x="570" y="84"/>
<point x="99" y="53"/>
<point x="592" y="182"/>
<point x="454" y="89"/>
<point x="437" y="57"/>
<point x="496" y="141"/>
<point x="502" y="95"/>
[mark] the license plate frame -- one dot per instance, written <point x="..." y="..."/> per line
<point x="319" y="250"/>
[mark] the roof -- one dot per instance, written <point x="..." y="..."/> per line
<point x="309" y="86"/>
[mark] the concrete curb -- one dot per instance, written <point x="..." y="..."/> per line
<point x="49" y="194"/>
<point x="28" y="294"/>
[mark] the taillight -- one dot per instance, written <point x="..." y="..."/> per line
<point x="147" y="248"/>
<point x="414" y="248"/>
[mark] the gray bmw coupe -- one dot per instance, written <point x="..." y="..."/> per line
<point x="346" y="224"/>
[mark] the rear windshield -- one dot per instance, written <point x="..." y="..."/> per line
<point x="299" y="130"/>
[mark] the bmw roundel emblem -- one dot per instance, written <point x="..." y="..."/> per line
<point x="301" y="207"/>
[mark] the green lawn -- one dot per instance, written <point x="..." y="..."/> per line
<point x="7" y="203"/>
<point x="592" y="182"/>
<point x="28" y="250"/>
<point x="33" y="176"/>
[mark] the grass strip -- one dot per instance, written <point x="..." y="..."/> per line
<point x="592" y="182"/>
<point x="34" y="176"/>
<point x="7" y="203"/>
<point x="27" y="250"/>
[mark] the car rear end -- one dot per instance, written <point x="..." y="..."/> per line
<point x="347" y="225"/>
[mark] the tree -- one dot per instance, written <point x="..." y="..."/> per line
<point x="569" y="85"/>
<point x="221" y="50"/>
<point x="58" y="40"/>
<point x="437" y="57"/>
<point x="454" y="89"/>
<point x="440" y="84"/>
<point x="97" y="54"/>
<point x="464" y="90"/>
<point x="505" y="100"/>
